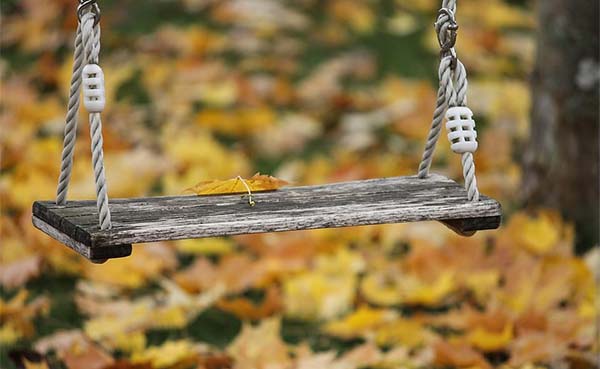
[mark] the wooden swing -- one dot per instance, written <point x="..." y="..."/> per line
<point x="100" y="232"/>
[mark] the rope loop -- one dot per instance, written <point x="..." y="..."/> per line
<point x="94" y="9"/>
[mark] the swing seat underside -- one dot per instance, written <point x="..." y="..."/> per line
<point x="344" y="204"/>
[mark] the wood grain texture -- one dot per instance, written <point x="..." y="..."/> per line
<point x="96" y="254"/>
<point x="375" y="201"/>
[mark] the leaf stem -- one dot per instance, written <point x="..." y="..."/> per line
<point x="251" y="201"/>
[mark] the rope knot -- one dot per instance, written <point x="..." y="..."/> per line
<point x="446" y="28"/>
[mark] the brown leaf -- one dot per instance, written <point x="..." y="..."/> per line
<point x="215" y="361"/>
<point x="535" y="347"/>
<point x="124" y="364"/>
<point x="260" y="347"/>
<point x="203" y="274"/>
<point x="245" y="309"/>
<point x="76" y="350"/>
<point x="458" y="355"/>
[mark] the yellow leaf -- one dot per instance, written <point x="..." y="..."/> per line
<point x="194" y="153"/>
<point x="318" y="295"/>
<point x="206" y="246"/>
<point x="256" y="183"/>
<point x="430" y="293"/>
<point x="357" y="15"/>
<point x="403" y="332"/>
<point x="482" y="282"/>
<point x="130" y="341"/>
<point x="172" y="308"/>
<point x="378" y="290"/>
<point x="260" y="346"/>
<point x="403" y="24"/>
<point x="241" y="121"/>
<point x="166" y="355"/>
<point x="171" y="317"/>
<point x="219" y="93"/>
<point x="539" y="235"/>
<point x="17" y="315"/>
<point x="9" y="334"/>
<point x="146" y="263"/>
<point x="35" y="365"/>
<point x="359" y="323"/>
<point x="490" y="341"/>
<point x="325" y="292"/>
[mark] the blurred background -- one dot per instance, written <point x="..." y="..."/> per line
<point x="310" y="91"/>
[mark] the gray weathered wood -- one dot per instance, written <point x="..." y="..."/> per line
<point x="375" y="201"/>
<point x="95" y="254"/>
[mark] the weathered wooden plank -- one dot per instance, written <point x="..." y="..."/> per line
<point x="376" y="201"/>
<point x="95" y="254"/>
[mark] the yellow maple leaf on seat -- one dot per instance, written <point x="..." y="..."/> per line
<point x="256" y="183"/>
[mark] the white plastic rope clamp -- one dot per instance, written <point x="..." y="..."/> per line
<point x="461" y="129"/>
<point x="93" y="88"/>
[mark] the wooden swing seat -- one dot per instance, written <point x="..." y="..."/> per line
<point x="344" y="204"/>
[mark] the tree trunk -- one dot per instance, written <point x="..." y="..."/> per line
<point x="561" y="161"/>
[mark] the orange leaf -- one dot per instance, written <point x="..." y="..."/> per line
<point x="256" y="183"/>
<point x="245" y="309"/>
<point x="458" y="355"/>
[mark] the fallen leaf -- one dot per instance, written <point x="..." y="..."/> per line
<point x="458" y="355"/>
<point x="206" y="246"/>
<point x="541" y="233"/>
<point x="17" y="316"/>
<point x="203" y="274"/>
<point x="125" y="364"/>
<point x="256" y="183"/>
<point x="76" y="350"/>
<point x="116" y="321"/>
<point x="536" y="347"/>
<point x="260" y="347"/>
<point x="18" y="272"/>
<point x="147" y="263"/>
<point x="215" y="361"/>
<point x="403" y="332"/>
<point x="360" y="323"/>
<point x="325" y="292"/>
<point x="169" y="354"/>
<point x="486" y="340"/>
<point x="245" y="309"/>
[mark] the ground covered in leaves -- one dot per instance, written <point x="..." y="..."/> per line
<point x="311" y="92"/>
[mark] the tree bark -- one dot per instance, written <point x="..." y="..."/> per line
<point x="561" y="159"/>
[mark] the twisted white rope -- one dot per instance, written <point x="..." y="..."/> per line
<point x="87" y="48"/>
<point x="71" y="122"/>
<point x="452" y="92"/>
<point x="444" y="73"/>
